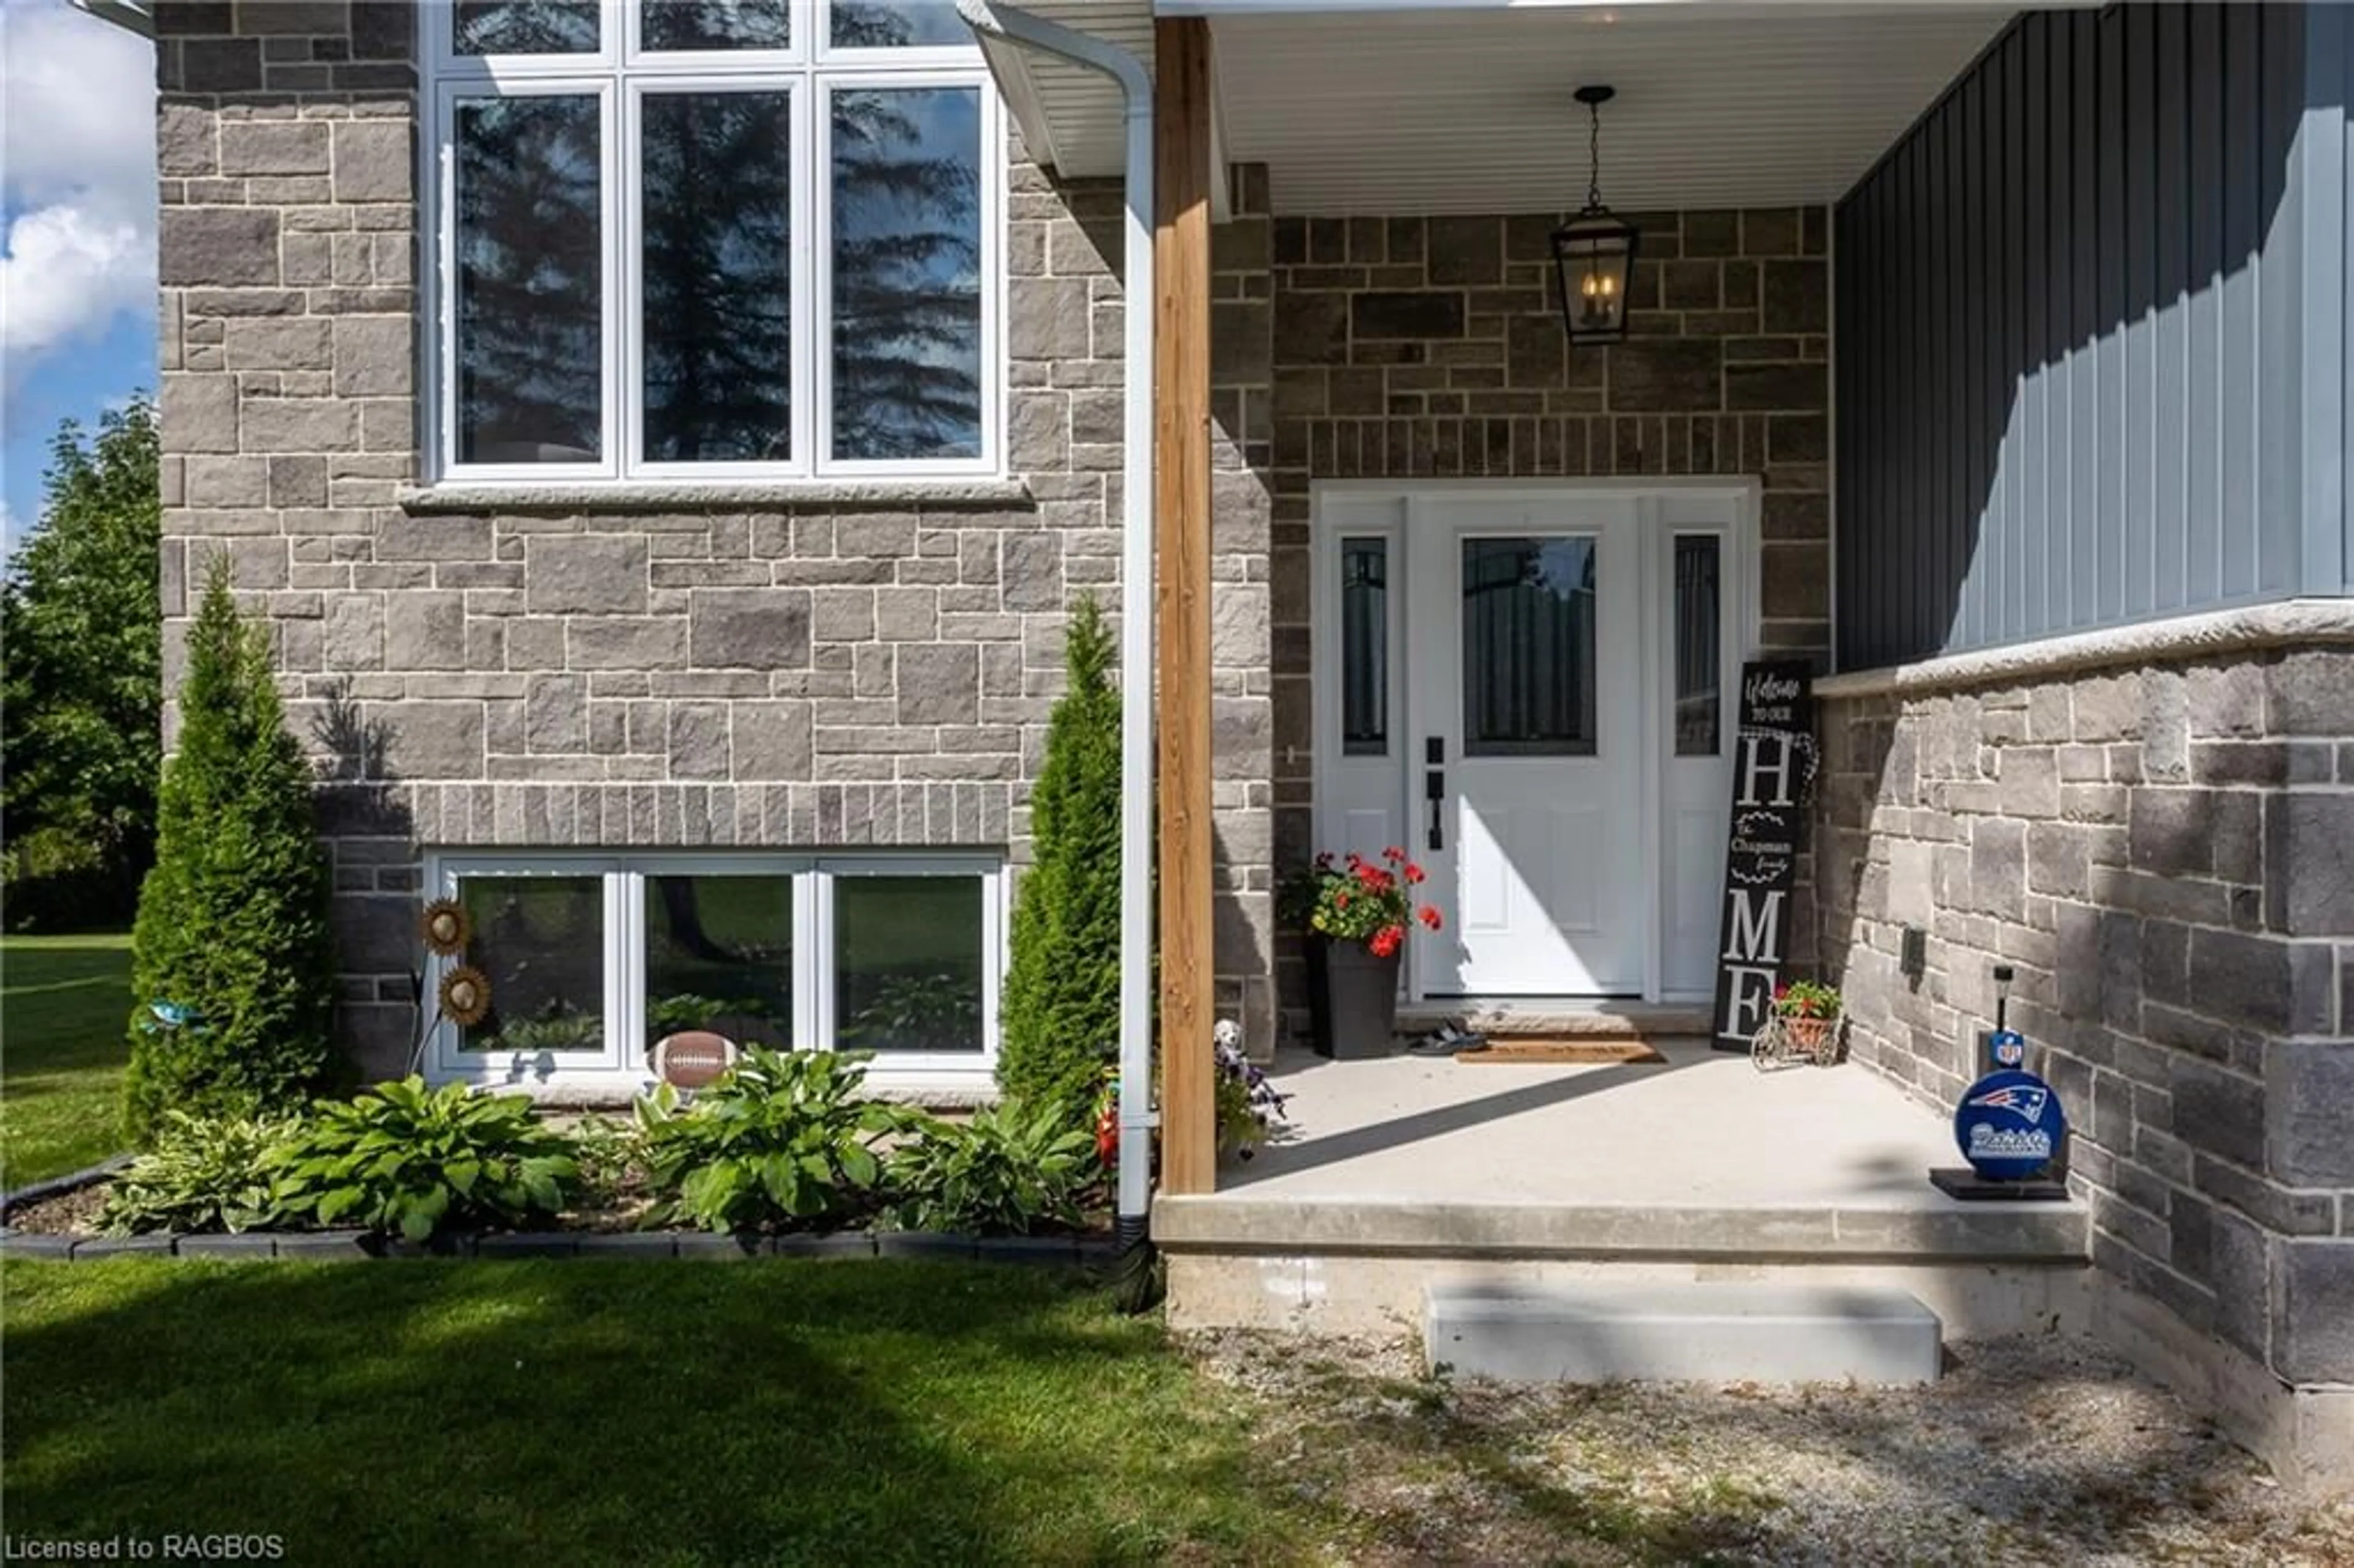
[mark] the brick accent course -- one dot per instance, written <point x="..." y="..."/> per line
<point x="2161" y="854"/>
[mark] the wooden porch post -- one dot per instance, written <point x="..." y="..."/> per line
<point x="1181" y="501"/>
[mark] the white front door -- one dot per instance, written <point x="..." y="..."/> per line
<point x="1528" y="687"/>
<point x="1527" y="715"/>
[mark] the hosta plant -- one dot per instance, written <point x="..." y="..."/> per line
<point x="1007" y="1171"/>
<point x="203" y="1173"/>
<point x="783" y="1139"/>
<point x="401" y="1159"/>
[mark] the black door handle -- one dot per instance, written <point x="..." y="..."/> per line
<point x="1434" y="791"/>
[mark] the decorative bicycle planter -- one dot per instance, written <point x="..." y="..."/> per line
<point x="1807" y="1025"/>
<point x="1797" y="1042"/>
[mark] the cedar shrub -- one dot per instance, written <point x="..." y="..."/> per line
<point x="1061" y="1013"/>
<point x="233" y="923"/>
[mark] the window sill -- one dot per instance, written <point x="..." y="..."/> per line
<point x="587" y="1089"/>
<point x="945" y="493"/>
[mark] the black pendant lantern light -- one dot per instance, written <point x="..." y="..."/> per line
<point x="1594" y="250"/>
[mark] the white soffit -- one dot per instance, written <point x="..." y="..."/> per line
<point x="1470" y="110"/>
<point x="1069" y="114"/>
<point x="1466" y="108"/>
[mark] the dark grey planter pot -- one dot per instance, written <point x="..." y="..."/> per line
<point x="1319" y="995"/>
<point x="1360" y="999"/>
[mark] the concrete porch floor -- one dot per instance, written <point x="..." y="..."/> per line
<point x="1401" y="1170"/>
<point x="1698" y="1157"/>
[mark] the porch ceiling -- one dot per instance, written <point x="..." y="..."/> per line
<point x="1466" y="108"/>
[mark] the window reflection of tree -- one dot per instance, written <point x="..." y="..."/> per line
<point x="541" y="942"/>
<point x="525" y="27"/>
<point x="718" y="303"/>
<point x="717" y="24"/>
<point x="530" y="346"/>
<point x="906" y="273"/>
<point x="716" y="247"/>
<point x="896" y="24"/>
<point x="1528" y="647"/>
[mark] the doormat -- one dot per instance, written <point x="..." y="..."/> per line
<point x="1536" y="1048"/>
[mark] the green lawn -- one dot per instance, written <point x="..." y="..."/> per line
<point x="65" y="1002"/>
<point x="587" y="1412"/>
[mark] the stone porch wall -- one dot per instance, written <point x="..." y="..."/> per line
<point x="2165" y="853"/>
<point x="805" y="674"/>
<point x="1410" y="347"/>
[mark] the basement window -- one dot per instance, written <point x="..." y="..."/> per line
<point x="593" y="959"/>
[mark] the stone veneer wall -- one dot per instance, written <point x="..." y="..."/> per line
<point x="846" y="671"/>
<point x="1414" y="347"/>
<point x="2166" y="855"/>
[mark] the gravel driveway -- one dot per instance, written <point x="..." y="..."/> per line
<point x="2043" y="1451"/>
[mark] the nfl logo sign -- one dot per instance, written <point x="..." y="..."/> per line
<point x="2009" y="1125"/>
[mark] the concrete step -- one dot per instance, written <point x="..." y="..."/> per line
<point x="1739" y="1331"/>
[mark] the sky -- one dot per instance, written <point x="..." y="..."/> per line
<point x="78" y="206"/>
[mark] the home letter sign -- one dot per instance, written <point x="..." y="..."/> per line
<point x="1773" y="769"/>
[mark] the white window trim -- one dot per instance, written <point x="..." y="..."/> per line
<point x="619" y="75"/>
<point x="444" y="1063"/>
<point x="621" y="1067"/>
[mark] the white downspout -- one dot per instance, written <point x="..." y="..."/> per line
<point x="1136" y="1116"/>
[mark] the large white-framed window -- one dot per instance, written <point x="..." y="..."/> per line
<point x="726" y="240"/>
<point x="593" y="958"/>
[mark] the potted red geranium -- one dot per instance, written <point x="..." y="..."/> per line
<point x="1358" y="914"/>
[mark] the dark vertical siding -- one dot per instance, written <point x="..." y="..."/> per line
<point x="2093" y="323"/>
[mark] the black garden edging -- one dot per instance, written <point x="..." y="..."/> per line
<point x="355" y="1247"/>
<point x="58" y="1186"/>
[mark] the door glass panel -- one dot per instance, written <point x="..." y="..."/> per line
<point x="907" y="963"/>
<point x="540" y="942"/>
<point x="1365" y="648"/>
<point x="1700" y="661"/>
<point x="719" y="956"/>
<point x="1528" y="647"/>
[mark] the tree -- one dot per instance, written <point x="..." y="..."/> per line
<point x="1061" y="1014"/>
<point x="232" y="930"/>
<point x="81" y="688"/>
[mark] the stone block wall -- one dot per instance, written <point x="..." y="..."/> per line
<point x="848" y="665"/>
<point x="2165" y="853"/>
<point x="1242" y="434"/>
<point x="1433" y="347"/>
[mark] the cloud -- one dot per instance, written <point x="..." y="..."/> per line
<point x="77" y="178"/>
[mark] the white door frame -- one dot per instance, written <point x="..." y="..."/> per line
<point x="1392" y="509"/>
